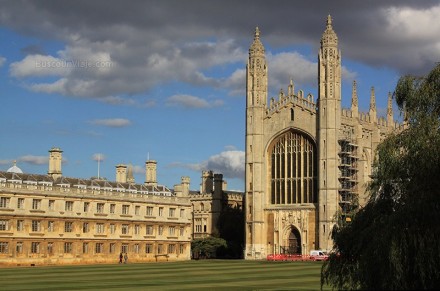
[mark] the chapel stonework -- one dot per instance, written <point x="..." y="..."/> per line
<point x="307" y="163"/>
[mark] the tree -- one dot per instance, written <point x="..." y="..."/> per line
<point x="231" y="228"/>
<point x="207" y="247"/>
<point x="393" y="242"/>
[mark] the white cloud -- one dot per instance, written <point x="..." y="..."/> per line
<point x="230" y="163"/>
<point x="35" y="160"/>
<point x="55" y="87"/>
<point x="236" y="83"/>
<point x="138" y="170"/>
<point x="188" y="101"/>
<point x="415" y="24"/>
<point x="2" y="61"/>
<point x="291" y="65"/>
<point x="112" y="122"/>
<point x="39" y="66"/>
<point x="230" y="148"/>
<point x="117" y="100"/>
<point x="6" y="162"/>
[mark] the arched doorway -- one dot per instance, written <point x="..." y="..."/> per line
<point x="294" y="242"/>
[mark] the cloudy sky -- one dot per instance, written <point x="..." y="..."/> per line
<point x="165" y="80"/>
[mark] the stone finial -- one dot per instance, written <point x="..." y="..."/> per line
<point x="329" y="21"/>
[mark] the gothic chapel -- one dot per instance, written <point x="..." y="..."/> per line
<point x="307" y="162"/>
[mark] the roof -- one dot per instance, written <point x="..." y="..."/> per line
<point x="92" y="184"/>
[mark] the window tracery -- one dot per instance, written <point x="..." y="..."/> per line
<point x="293" y="169"/>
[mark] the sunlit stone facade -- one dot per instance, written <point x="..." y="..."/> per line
<point x="211" y="202"/>
<point x="51" y="219"/>
<point x="307" y="161"/>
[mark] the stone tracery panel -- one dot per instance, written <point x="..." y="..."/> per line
<point x="293" y="169"/>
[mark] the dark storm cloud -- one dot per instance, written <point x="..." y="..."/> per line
<point x="149" y="43"/>
<point x="33" y="50"/>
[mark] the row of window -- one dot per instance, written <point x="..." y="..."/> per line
<point x="100" y="228"/>
<point x="98" y="248"/>
<point x="86" y="207"/>
<point x="199" y="225"/>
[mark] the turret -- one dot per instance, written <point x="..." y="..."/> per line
<point x="207" y="182"/>
<point x="55" y="160"/>
<point x="150" y="173"/>
<point x="182" y="189"/>
<point x="121" y="173"/>
<point x="218" y="186"/>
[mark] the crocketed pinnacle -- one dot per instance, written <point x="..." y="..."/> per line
<point x="354" y="96"/>
<point x="372" y="100"/>
<point x="257" y="48"/>
<point x="390" y="104"/>
<point x="329" y="37"/>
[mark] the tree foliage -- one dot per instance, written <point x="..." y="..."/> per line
<point x="207" y="247"/>
<point x="231" y="228"/>
<point x="393" y="242"/>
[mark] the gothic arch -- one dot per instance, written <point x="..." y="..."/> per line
<point x="292" y="168"/>
<point x="292" y="243"/>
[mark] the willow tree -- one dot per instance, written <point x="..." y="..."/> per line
<point x="394" y="241"/>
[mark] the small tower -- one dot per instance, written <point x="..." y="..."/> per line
<point x="218" y="186"/>
<point x="121" y="173"/>
<point x="354" y="101"/>
<point x="390" y="120"/>
<point x="151" y="174"/>
<point x="373" y="114"/>
<point x="182" y="189"/>
<point x="207" y="182"/>
<point x="55" y="159"/>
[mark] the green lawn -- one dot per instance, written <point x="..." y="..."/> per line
<point x="190" y="275"/>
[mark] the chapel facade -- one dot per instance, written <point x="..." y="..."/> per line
<point x="307" y="162"/>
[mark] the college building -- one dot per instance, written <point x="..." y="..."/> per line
<point x="211" y="203"/>
<point x="308" y="161"/>
<point x="52" y="219"/>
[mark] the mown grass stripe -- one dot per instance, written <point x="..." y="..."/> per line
<point x="191" y="275"/>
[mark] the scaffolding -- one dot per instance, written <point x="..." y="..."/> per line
<point x="348" y="171"/>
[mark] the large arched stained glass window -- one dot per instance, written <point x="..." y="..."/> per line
<point x="293" y="169"/>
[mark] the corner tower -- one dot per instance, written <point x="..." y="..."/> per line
<point x="256" y="98"/>
<point x="329" y="91"/>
